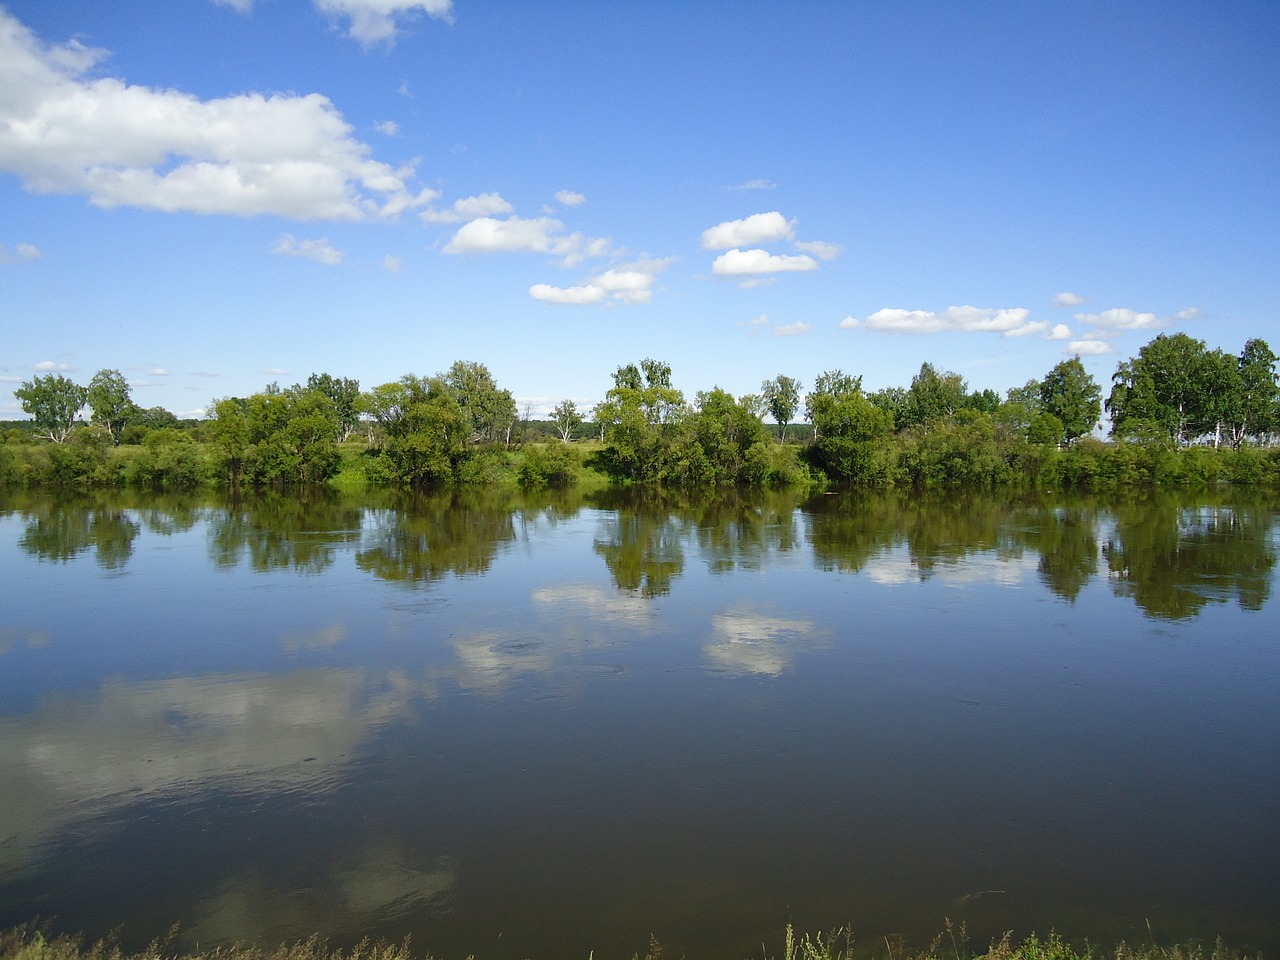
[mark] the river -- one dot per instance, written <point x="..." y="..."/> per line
<point x="549" y="726"/>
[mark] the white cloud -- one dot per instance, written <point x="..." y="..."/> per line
<point x="1191" y="313"/>
<point x="239" y="6"/>
<point x="1060" y="331"/>
<point x="154" y="371"/>
<point x="469" y="208"/>
<point x="1089" y="348"/>
<point x="570" y="199"/>
<point x="1067" y="299"/>
<point x="757" y="228"/>
<point x="1119" y="318"/>
<point x="24" y="251"/>
<point x="520" y="235"/>
<point x="740" y="263"/>
<point x="388" y="128"/>
<point x="797" y="329"/>
<point x="318" y="250"/>
<point x="1008" y="322"/>
<point x="275" y="371"/>
<point x="128" y="145"/>
<point x="630" y="283"/>
<point x="392" y="264"/>
<point x="759" y="184"/>
<point x="575" y="296"/>
<point x="49" y="366"/>
<point x="850" y="323"/>
<point x="819" y="248"/>
<point x="1039" y="326"/>
<point x="375" y="21"/>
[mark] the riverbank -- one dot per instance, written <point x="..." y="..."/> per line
<point x="172" y="460"/>
<point x="28" y="943"/>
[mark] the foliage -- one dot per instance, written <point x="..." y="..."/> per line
<point x="1070" y="395"/>
<point x="781" y="397"/>
<point x="108" y="397"/>
<point x="344" y="394"/>
<point x="53" y="402"/>
<point x="424" y="429"/>
<point x="550" y="465"/>
<point x="566" y="418"/>
<point x="487" y="412"/>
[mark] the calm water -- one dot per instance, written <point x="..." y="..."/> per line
<point x="544" y="727"/>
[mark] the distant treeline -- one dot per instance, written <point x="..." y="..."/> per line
<point x="1179" y="412"/>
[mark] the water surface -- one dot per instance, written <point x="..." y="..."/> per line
<point x="545" y="726"/>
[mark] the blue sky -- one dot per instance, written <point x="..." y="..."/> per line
<point x="211" y="196"/>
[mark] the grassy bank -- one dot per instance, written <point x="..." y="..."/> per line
<point x="29" y="943"/>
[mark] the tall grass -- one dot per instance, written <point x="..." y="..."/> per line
<point x="29" y="942"/>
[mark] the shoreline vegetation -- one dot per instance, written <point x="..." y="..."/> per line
<point x="30" y="942"/>
<point x="1178" y="413"/>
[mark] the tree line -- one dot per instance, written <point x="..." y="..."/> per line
<point x="1167" y="405"/>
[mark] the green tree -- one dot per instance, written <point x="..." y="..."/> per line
<point x="1070" y="393"/>
<point x="932" y="396"/>
<point x="830" y="386"/>
<point x="782" y="398"/>
<point x="566" y="418"/>
<point x="53" y="402"/>
<point x="1164" y="388"/>
<point x="424" y="430"/>
<point x="109" y="400"/>
<point x="639" y="416"/>
<point x="344" y="394"/>
<point x="1256" y="413"/>
<point x="488" y="411"/>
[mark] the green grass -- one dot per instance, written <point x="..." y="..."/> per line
<point x="30" y="943"/>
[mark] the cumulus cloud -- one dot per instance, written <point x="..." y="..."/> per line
<point x="469" y="208"/>
<point x="797" y="329"/>
<point x="49" y="366"/>
<point x="129" y="145"/>
<point x="1060" y="331"/>
<point x="630" y="283"/>
<point x="377" y="21"/>
<point x="318" y="250"/>
<point x="24" y="251"/>
<point x="759" y="184"/>
<point x="1089" y="348"/>
<point x="850" y="323"/>
<point x="745" y="263"/>
<point x="521" y="235"/>
<point x="388" y="128"/>
<point x="392" y="264"/>
<point x="570" y="199"/>
<point x="757" y="228"/>
<point x="1009" y="322"/>
<point x="819" y="248"/>
<point x="1119" y="318"/>
<point x="1067" y="299"/>
<point x="1191" y="313"/>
